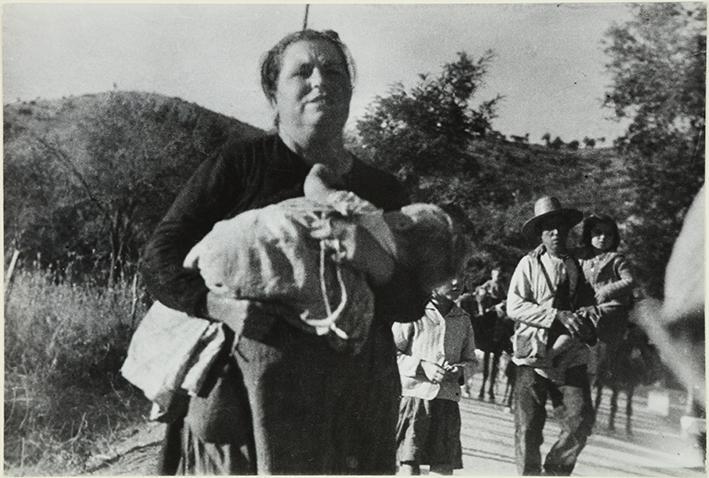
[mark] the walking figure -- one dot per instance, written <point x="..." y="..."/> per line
<point x="548" y="292"/>
<point x="436" y="354"/>
<point x="493" y="329"/>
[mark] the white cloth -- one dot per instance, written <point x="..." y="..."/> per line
<point x="170" y="353"/>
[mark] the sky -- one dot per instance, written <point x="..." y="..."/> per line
<point x="548" y="65"/>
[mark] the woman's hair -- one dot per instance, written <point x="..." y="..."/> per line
<point x="272" y="60"/>
<point x="590" y="222"/>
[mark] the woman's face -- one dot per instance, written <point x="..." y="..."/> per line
<point x="313" y="91"/>
<point x="602" y="236"/>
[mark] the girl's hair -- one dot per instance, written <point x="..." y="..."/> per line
<point x="590" y="222"/>
<point x="272" y="60"/>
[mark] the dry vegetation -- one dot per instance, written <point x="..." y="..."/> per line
<point x="64" y="345"/>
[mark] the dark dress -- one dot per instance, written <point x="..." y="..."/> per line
<point x="282" y="400"/>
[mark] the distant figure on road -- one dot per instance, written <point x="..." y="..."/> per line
<point x="547" y="292"/>
<point x="492" y="328"/>
<point x="493" y="290"/>
<point x="436" y="354"/>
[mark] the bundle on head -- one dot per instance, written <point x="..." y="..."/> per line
<point x="429" y="242"/>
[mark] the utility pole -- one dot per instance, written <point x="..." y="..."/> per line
<point x="305" y="18"/>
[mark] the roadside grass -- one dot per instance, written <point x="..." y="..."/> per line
<point x="65" y="400"/>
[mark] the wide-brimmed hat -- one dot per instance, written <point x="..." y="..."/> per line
<point x="548" y="206"/>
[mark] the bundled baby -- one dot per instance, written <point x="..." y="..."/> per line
<point x="301" y="253"/>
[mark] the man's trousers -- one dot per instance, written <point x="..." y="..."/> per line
<point x="574" y="410"/>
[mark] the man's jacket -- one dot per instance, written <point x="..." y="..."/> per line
<point x="530" y="303"/>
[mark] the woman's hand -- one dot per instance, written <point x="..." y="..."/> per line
<point x="434" y="372"/>
<point x="228" y="310"/>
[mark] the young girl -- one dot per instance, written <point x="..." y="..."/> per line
<point x="436" y="354"/>
<point x="608" y="272"/>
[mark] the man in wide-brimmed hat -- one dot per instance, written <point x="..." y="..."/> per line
<point x="548" y="296"/>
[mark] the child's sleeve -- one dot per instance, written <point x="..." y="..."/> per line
<point x="468" y="357"/>
<point x="403" y="334"/>
<point x="623" y="287"/>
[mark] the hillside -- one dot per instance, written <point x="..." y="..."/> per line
<point x="94" y="173"/>
<point x="65" y="113"/>
<point x="87" y="177"/>
<point x="64" y="118"/>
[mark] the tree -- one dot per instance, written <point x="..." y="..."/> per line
<point x="657" y="64"/>
<point x="557" y="143"/>
<point x="437" y="137"/>
<point x="547" y="139"/>
<point x="429" y="126"/>
<point x="589" y="142"/>
<point x="573" y="145"/>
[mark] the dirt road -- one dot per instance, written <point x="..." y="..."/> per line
<point x="655" y="448"/>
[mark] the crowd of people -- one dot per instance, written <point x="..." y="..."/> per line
<point x="292" y="392"/>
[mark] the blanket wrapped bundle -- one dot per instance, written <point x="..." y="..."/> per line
<point x="268" y="255"/>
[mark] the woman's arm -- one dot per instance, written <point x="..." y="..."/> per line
<point x="205" y="199"/>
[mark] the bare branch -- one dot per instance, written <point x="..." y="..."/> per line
<point x="65" y="161"/>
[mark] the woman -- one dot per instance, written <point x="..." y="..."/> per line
<point x="283" y="401"/>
